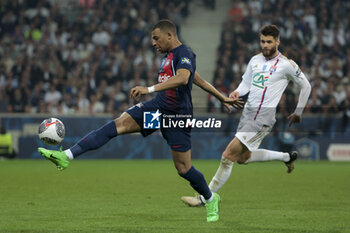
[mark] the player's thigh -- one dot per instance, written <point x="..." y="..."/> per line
<point x="126" y="124"/>
<point x="251" y="133"/>
<point x="178" y="139"/>
<point x="182" y="161"/>
<point x="236" y="151"/>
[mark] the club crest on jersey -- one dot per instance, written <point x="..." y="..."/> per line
<point x="185" y="60"/>
<point x="273" y="69"/>
<point x="151" y="120"/>
<point x="165" y="62"/>
<point x="162" y="63"/>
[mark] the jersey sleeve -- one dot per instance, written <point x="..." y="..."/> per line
<point x="294" y="74"/>
<point x="244" y="87"/>
<point x="185" y="60"/>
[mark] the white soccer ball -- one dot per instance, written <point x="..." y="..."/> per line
<point x="52" y="131"/>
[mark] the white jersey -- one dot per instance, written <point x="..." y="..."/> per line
<point x="266" y="80"/>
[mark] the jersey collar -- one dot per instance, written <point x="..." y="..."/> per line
<point x="275" y="57"/>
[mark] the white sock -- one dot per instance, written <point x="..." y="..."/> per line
<point x="268" y="155"/>
<point x="221" y="175"/>
<point x="203" y="199"/>
<point x="69" y="154"/>
<point x="210" y="199"/>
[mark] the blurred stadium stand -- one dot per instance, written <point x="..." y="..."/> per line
<point x="313" y="33"/>
<point x="69" y="57"/>
<point x="73" y="58"/>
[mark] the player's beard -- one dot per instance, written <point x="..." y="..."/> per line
<point x="269" y="52"/>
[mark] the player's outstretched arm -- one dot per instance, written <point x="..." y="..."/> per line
<point x="181" y="78"/>
<point x="305" y="90"/>
<point x="206" y="86"/>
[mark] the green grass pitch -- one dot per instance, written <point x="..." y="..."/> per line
<point x="144" y="196"/>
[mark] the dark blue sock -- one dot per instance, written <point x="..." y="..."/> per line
<point x="95" y="139"/>
<point x="198" y="182"/>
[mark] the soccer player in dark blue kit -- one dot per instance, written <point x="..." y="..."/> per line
<point x="175" y="78"/>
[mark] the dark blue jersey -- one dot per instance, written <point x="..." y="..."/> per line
<point x="177" y="100"/>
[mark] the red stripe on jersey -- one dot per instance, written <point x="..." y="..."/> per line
<point x="168" y="72"/>
<point x="167" y="69"/>
<point x="274" y="67"/>
<point x="262" y="100"/>
<point x="171" y="97"/>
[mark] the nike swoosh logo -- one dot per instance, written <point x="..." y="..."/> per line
<point x="177" y="146"/>
<point x="53" y="157"/>
<point x="52" y="123"/>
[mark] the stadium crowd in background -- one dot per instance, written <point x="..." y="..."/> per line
<point x="313" y="33"/>
<point x="83" y="56"/>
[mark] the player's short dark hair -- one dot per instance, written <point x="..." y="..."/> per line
<point x="270" y="30"/>
<point x="165" y="25"/>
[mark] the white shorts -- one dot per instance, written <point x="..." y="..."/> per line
<point x="251" y="133"/>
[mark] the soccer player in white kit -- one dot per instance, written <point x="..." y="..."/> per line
<point x="266" y="77"/>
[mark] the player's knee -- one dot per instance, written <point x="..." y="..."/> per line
<point x="228" y="155"/>
<point x="120" y="125"/>
<point x="181" y="172"/>
<point x="123" y="125"/>
<point x="241" y="161"/>
<point x="181" y="169"/>
<point x="244" y="158"/>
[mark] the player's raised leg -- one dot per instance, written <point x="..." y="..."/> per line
<point x="262" y="155"/>
<point x="290" y="164"/>
<point x="235" y="151"/>
<point x="59" y="158"/>
<point x="183" y="165"/>
<point x="95" y="139"/>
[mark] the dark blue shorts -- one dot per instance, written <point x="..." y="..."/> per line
<point x="179" y="139"/>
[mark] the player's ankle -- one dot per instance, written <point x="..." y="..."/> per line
<point x="69" y="154"/>
<point x="210" y="199"/>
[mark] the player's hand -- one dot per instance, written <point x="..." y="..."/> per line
<point x="136" y="92"/>
<point x="230" y="102"/>
<point x="294" y="118"/>
<point x="228" y="107"/>
<point x="234" y="95"/>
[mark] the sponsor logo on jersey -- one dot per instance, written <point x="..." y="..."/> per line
<point x="185" y="60"/>
<point x="163" y="78"/>
<point x="259" y="80"/>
